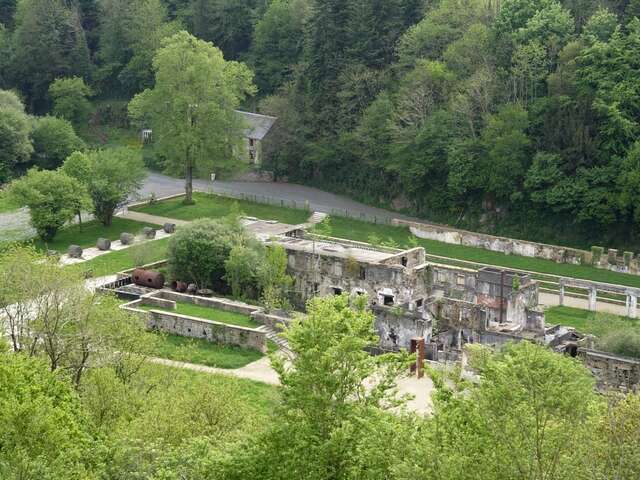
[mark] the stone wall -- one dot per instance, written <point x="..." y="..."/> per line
<point x="271" y="320"/>
<point x="396" y="327"/>
<point x="612" y="370"/>
<point x="609" y="259"/>
<point x="214" y="332"/>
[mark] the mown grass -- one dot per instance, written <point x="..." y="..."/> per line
<point x="209" y="313"/>
<point x="202" y="352"/>
<point x="88" y="233"/>
<point x="110" y="263"/>
<point x="215" y="206"/>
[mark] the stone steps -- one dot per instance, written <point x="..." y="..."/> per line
<point x="273" y="335"/>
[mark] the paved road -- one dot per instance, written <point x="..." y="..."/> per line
<point x="319" y="200"/>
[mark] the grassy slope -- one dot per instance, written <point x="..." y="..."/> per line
<point x="203" y="352"/>
<point x="214" y="206"/>
<point x="214" y="314"/>
<point x="88" y="233"/>
<point x="262" y="398"/>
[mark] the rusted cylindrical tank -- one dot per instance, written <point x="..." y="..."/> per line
<point x="179" y="286"/>
<point x="148" y="278"/>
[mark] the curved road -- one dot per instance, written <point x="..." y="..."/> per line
<point x="319" y="200"/>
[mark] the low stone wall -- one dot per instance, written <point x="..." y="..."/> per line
<point x="155" y="301"/>
<point x="271" y="320"/>
<point x="214" y="332"/>
<point x="610" y="259"/>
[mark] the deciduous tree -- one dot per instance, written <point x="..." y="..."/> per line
<point x="191" y="108"/>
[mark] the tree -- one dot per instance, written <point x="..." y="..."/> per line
<point x="15" y="144"/>
<point x="43" y="431"/>
<point x="277" y="43"/>
<point x="528" y="417"/>
<point x="49" y="43"/>
<point x="110" y="176"/>
<point x="53" y="199"/>
<point x="54" y="139"/>
<point x="241" y="270"/>
<point x="191" y="107"/>
<point x="51" y="314"/>
<point x="332" y="408"/>
<point x="130" y="35"/>
<point x="197" y="252"/>
<point x="69" y="97"/>
<point x="506" y="144"/>
<point x="225" y="23"/>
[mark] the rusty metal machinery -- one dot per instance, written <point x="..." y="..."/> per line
<point x="148" y="278"/>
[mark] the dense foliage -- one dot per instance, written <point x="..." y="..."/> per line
<point x="518" y="117"/>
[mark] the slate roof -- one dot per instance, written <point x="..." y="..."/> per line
<point x="257" y="126"/>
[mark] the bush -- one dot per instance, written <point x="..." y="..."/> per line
<point x="198" y="251"/>
<point x="622" y="341"/>
<point x="53" y="141"/>
<point x="69" y="97"/>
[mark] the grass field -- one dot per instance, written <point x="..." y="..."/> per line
<point x="586" y="321"/>
<point x="208" y="313"/>
<point x="114" y="262"/>
<point x="215" y="206"/>
<point x="88" y="233"/>
<point x="203" y="352"/>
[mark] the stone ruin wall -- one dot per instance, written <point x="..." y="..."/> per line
<point x="609" y="259"/>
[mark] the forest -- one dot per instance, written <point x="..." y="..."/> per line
<point x="517" y="117"/>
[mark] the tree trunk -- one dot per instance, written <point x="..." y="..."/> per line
<point x="188" y="180"/>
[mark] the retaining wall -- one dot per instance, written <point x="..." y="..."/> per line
<point x="627" y="262"/>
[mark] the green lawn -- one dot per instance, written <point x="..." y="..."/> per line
<point x="114" y="262"/>
<point x="88" y="233"/>
<point x="208" y="313"/>
<point x="215" y="206"/>
<point x="586" y="321"/>
<point x="202" y="352"/>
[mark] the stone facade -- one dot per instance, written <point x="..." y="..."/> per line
<point x="612" y="370"/>
<point x="412" y="297"/>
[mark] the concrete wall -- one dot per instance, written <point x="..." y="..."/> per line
<point x="611" y="259"/>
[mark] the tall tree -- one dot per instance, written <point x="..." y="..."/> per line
<point x="48" y="43"/>
<point x="191" y="109"/>
<point x="15" y="127"/>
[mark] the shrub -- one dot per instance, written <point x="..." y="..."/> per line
<point x="53" y="199"/>
<point x="198" y="251"/>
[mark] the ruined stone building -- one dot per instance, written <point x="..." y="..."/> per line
<point x="411" y="297"/>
